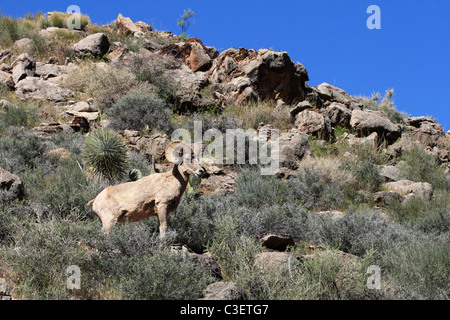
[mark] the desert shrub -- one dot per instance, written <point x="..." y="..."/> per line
<point x="155" y="72"/>
<point x="40" y="255"/>
<point x="322" y="148"/>
<point x="142" y="267"/>
<point x="61" y="190"/>
<point x="20" y="116"/>
<point x="106" y="86"/>
<point x="140" y="111"/>
<point x="105" y="153"/>
<point x="140" y="162"/>
<point x="366" y="173"/>
<point x="266" y="112"/>
<point x="20" y="150"/>
<point x="420" y="166"/>
<point x="426" y="215"/>
<point x="420" y="270"/>
<point x="71" y="141"/>
<point x="59" y="19"/>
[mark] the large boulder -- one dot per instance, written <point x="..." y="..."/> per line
<point x="389" y="173"/>
<point x="36" y="88"/>
<point x="192" y="52"/>
<point x="10" y="185"/>
<point x="366" y="122"/>
<point x="223" y="291"/>
<point x="24" y="44"/>
<point x="126" y="25"/>
<point x="329" y="94"/>
<point x="23" y="67"/>
<point x="6" y="79"/>
<point x="271" y="74"/>
<point x="339" y="115"/>
<point x="293" y="147"/>
<point x="315" y="123"/>
<point x="49" y="70"/>
<point x="96" y="44"/>
<point x="408" y="189"/>
<point x="425" y="130"/>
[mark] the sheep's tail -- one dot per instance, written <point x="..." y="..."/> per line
<point x="90" y="202"/>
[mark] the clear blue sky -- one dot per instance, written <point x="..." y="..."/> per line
<point x="411" y="52"/>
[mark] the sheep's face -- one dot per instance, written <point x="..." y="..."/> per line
<point x="193" y="168"/>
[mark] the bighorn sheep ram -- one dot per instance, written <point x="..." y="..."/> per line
<point x="154" y="195"/>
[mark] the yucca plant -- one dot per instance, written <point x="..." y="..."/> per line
<point x="105" y="153"/>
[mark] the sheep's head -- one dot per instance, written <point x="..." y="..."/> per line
<point x="183" y="154"/>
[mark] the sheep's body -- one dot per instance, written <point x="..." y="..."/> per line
<point x="154" y="195"/>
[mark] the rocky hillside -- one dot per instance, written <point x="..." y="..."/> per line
<point x="359" y="182"/>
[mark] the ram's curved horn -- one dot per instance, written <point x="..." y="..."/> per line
<point x="173" y="151"/>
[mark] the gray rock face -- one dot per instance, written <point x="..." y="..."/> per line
<point x="96" y="44"/>
<point x="408" y="189"/>
<point x="4" y="292"/>
<point x="11" y="184"/>
<point x="47" y="70"/>
<point x="339" y="115"/>
<point x="315" y="123"/>
<point x="24" y="44"/>
<point x="272" y="75"/>
<point x="329" y="93"/>
<point x="383" y="198"/>
<point x="366" y="122"/>
<point x="6" y="79"/>
<point x="389" y="173"/>
<point x="36" y="88"/>
<point x="223" y="291"/>
<point x="293" y="147"/>
<point x="425" y="130"/>
<point x="23" y="67"/>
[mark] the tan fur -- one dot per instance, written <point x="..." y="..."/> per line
<point x="154" y="195"/>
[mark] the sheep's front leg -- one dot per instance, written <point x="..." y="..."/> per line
<point x="162" y="218"/>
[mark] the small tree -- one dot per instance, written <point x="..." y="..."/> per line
<point x="186" y="20"/>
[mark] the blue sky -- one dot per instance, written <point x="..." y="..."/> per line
<point x="410" y="53"/>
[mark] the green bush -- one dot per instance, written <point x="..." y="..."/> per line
<point x="140" y="111"/>
<point x="420" y="166"/>
<point x="105" y="153"/>
<point x="20" y="116"/>
<point x="20" y="150"/>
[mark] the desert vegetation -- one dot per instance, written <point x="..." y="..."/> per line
<point x="327" y="200"/>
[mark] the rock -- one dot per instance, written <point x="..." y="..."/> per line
<point x="293" y="147"/>
<point x="5" y="54"/>
<point x="23" y="67"/>
<point x="408" y="189"/>
<point x="315" y="123"/>
<point x="126" y="25"/>
<point x="5" y="104"/>
<point x="383" y="198"/>
<point x="96" y="45"/>
<point x="405" y="143"/>
<point x="223" y="291"/>
<point x="366" y="122"/>
<point x="12" y="185"/>
<point x="24" y="44"/>
<point x="339" y="115"/>
<point x="154" y="146"/>
<point x="47" y="70"/>
<point x="46" y="130"/>
<point x="45" y="33"/>
<point x="192" y="52"/>
<point x="4" y="292"/>
<point x="301" y="106"/>
<point x="277" y="242"/>
<point x="6" y="79"/>
<point x="82" y="106"/>
<point x="425" y="130"/>
<point x="330" y="93"/>
<point x="144" y="27"/>
<point x="36" y="88"/>
<point x="389" y="173"/>
<point x="269" y="261"/>
<point x="272" y="75"/>
<point x="208" y="263"/>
